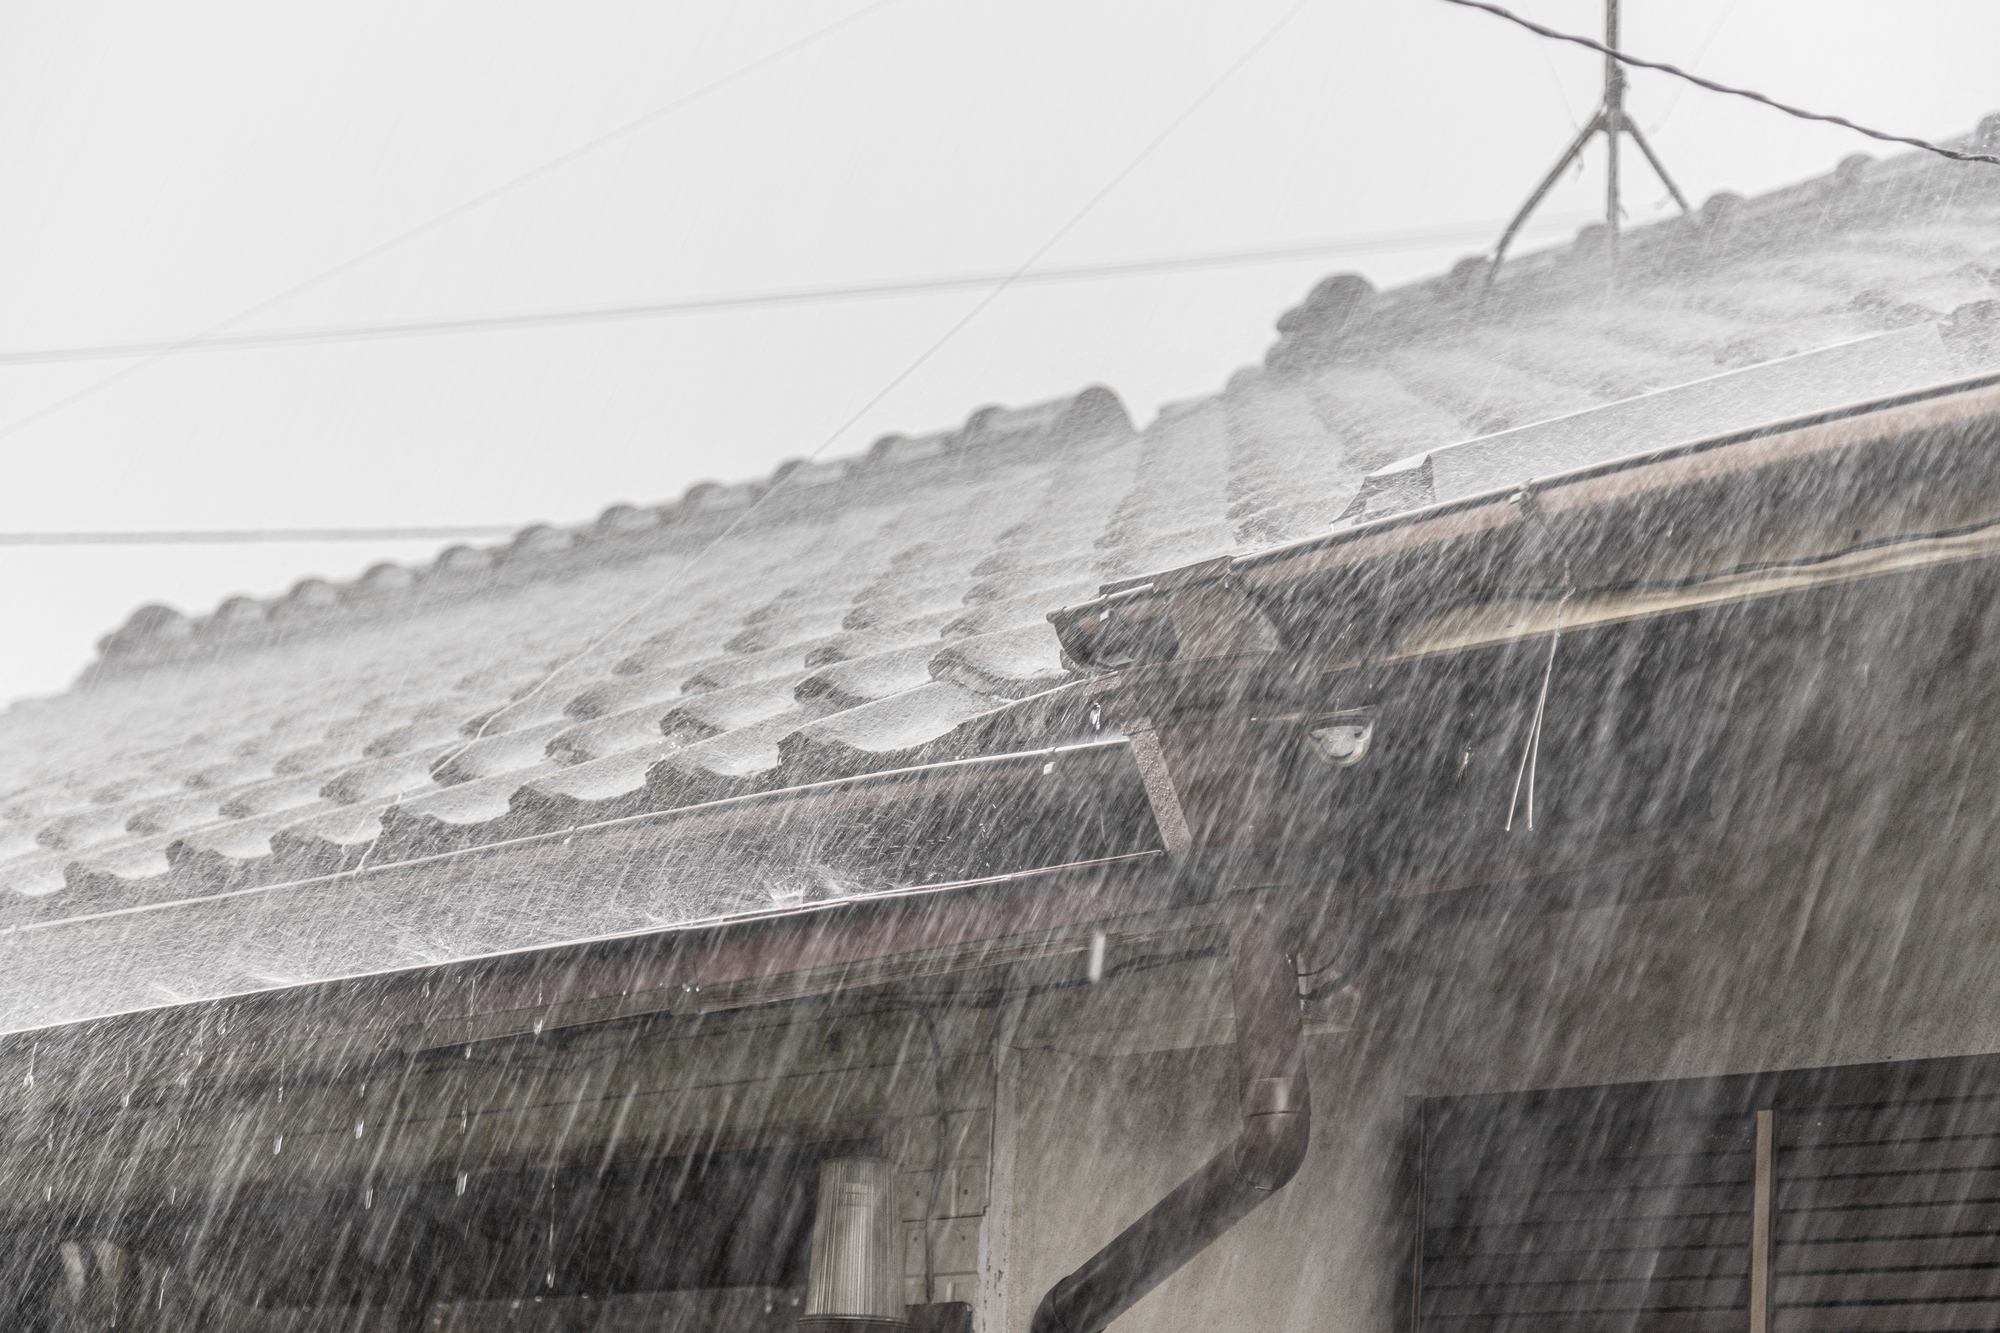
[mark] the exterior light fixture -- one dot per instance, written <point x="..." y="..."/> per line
<point x="1342" y="738"/>
<point x="854" y="1284"/>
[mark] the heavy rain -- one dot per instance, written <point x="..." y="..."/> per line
<point x="1483" y="823"/>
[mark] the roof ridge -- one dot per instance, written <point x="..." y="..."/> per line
<point x="158" y="635"/>
<point x="1343" y="314"/>
<point x="1343" y="317"/>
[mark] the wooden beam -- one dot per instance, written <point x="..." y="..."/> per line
<point x="1762" y="1202"/>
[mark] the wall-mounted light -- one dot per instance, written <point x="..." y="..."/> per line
<point x="1342" y="738"/>
<point x="854" y="1284"/>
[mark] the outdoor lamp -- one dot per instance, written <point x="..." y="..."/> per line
<point x="855" y="1283"/>
<point x="1342" y="738"/>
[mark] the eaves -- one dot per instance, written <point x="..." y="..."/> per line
<point x="783" y="953"/>
<point x="1849" y="493"/>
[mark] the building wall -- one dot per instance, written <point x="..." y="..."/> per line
<point x="356" y="1143"/>
<point x="1842" y="907"/>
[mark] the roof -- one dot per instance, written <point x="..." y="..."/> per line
<point x="870" y="613"/>
<point x="1857" y="493"/>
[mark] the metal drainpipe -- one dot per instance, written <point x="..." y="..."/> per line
<point x="1266" y="1153"/>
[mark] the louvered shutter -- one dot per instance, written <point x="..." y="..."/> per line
<point x="1888" y="1217"/>
<point x="1636" y="1208"/>
<point x="1580" y="1213"/>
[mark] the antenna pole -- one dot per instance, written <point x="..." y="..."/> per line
<point x="1611" y="121"/>
<point x="1614" y="118"/>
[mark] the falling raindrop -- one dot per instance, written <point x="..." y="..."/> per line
<point x="461" y="1182"/>
<point x="357" y="1129"/>
<point x="368" y="1198"/>
<point x="277" y="1145"/>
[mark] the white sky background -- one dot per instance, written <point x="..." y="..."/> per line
<point x="167" y="164"/>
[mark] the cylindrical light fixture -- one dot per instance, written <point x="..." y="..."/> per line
<point x="855" y="1283"/>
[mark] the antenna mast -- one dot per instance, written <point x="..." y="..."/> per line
<point x="1611" y="121"/>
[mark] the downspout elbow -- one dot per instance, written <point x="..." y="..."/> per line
<point x="1266" y="1154"/>
<point x="1273" y="1143"/>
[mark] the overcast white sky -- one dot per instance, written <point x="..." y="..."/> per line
<point x="168" y="164"/>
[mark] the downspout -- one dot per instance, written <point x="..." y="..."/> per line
<point x="1267" y="1151"/>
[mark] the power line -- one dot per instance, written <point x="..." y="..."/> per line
<point x="669" y="586"/>
<point x="451" y="214"/>
<point x="1638" y="63"/>
<point x="1714" y="31"/>
<point x="1364" y="243"/>
<point x="1024" y="272"/>
<point x="235" y="535"/>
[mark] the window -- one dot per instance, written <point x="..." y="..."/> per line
<point x="1859" y="1199"/>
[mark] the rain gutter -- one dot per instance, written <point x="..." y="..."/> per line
<point x="1392" y="562"/>
<point x="690" y="967"/>
<point x="1655" y="471"/>
<point x="861" y="791"/>
<point x="686" y="966"/>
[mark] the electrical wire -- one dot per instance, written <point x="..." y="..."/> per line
<point x="1363" y="243"/>
<point x="1532" y="751"/>
<point x="672" y="586"/>
<point x="940" y="1104"/>
<point x="194" y="537"/>
<point x="1701" y="52"/>
<point x="1637" y="62"/>
<point x="451" y="214"/>
<point x="1370" y="926"/>
<point x="1562" y="93"/>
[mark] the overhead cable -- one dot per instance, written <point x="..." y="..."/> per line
<point x="676" y="582"/>
<point x="1639" y="63"/>
<point x="1714" y="31"/>
<point x="451" y="214"/>
<point x="231" y="535"/>
<point x="1372" y="242"/>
